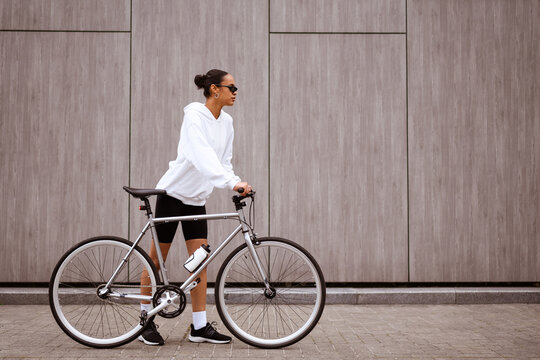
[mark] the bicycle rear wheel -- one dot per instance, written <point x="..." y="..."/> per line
<point x="105" y="321"/>
<point x="263" y="319"/>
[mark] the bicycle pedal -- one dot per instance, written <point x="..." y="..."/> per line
<point x="144" y="317"/>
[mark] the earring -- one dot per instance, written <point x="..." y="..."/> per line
<point x="216" y="95"/>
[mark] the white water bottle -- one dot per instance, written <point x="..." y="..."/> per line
<point x="197" y="258"/>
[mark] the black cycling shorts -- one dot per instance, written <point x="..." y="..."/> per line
<point x="168" y="206"/>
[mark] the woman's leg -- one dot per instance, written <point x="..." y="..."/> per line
<point x="196" y="233"/>
<point x="201" y="330"/>
<point x="145" y="279"/>
<point x="198" y="294"/>
<point x="165" y="206"/>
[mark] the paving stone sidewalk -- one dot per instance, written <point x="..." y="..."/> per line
<point x="497" y="331"/>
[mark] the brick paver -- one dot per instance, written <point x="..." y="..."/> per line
<point x="502" y="331"/>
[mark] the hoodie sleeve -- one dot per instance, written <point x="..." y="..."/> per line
<point x="199" y="152"/>
<point x="227" y="157"/>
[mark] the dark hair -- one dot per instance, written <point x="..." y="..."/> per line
<point x="213" y="76"/>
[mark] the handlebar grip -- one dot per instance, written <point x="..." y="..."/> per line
<point x="240" y="190"/>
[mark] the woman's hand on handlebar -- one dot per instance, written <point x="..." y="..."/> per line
<point x="242" y="185"/>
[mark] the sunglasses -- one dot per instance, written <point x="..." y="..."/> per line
<point x="231" y="87"/>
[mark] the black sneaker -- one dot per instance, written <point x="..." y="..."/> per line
<point x="150" y="335"/>
<point x="208" y="334"/>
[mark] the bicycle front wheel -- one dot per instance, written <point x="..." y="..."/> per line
<point x="85" y="314"/>
<point x="277" y="318"/>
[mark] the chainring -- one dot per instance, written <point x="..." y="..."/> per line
<point x="165" y="293"/>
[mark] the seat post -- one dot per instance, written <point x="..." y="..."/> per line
<point x="146" y="207"/>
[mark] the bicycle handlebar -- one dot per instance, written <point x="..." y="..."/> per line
<point x="241" y="191"/>
<point x="238" y="198"/>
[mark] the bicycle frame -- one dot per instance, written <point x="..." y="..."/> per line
<point x="191" y="282"/>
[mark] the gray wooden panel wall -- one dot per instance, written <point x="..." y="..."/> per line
<point x="75" y="15"/>
<point x="474" y="129"/>
<point x="64" y="120"/>
<point x="338" y="151"/>
<point x="172" y="42"/>
<point x="321" y="127"/>
<point x="337" y="16"/>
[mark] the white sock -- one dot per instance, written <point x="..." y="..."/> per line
<point x="146" y="307"/>
<point x="199" y="320"/>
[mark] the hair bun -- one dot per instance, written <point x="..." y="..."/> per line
<point x="213" y="76"/>
<point x="200" y="80"/>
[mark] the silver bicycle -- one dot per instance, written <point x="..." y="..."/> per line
<point x="269" y="292"/>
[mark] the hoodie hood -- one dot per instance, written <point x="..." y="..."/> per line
<point x="201" y="109"/>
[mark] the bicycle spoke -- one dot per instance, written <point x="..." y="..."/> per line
<point x="87" y="308"/>
<point x="270" y="278"/>
<point x="261" y="323"/>
<point x="251" y="308"/>
<point x="85" y="272"/>
<point x="82" y="278"/>
<point x="254" y="272"/>
<point x="285" y="270"/>
<point x="280" y="311"/>
<point x="96" y="269"/>
<point x="99" y="264"/>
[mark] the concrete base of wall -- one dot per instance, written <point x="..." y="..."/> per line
<point x="371" y="296"/>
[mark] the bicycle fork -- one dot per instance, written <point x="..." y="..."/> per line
<point x="269" y="290"/>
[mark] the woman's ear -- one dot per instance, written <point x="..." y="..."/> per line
<point x="214" y="92"/>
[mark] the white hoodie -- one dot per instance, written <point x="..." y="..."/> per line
<point x="204" y="157"/>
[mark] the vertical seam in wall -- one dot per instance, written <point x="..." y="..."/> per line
<point x="129" y="126"/>
<point x="407" y="141"/>
<point x="269" y="177"/>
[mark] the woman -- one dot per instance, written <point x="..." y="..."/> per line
<point x="203" y="162"/>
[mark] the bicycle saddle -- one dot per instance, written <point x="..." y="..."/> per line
<point x="144" y="193"/>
